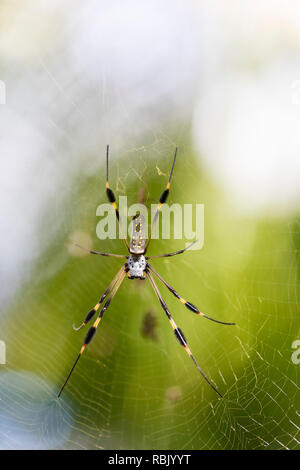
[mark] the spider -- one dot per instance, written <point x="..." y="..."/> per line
<point x="138" y="267"/>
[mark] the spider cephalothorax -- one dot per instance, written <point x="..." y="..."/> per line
<point x="137" y="266"/>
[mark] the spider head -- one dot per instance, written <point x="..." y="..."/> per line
<point x="137" y="266"/>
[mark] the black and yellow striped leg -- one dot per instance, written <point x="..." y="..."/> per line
<point x="190" y="306"/>
<point x="105" y="294"/>
<point x="166" y="255"/>
<point x="162" y="200"/>
<point x="93" y="252"/>
<point x="177" y="331"/>
<point x="111" y="197"/>
<point x="91" y="332"/>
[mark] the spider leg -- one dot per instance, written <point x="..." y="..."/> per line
<point x="174" y="252"/>
<point x="190" y="306"/>
<point x="106" y="292"/>
<point x="93" y="252"/>
<point x="111" y="197"/>
<point x="162" y="200"/>
<point x="177" y="331"/>
<point x="91" y="332"/>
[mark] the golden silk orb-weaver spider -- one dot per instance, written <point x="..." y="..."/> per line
<point x="138" y="267"/>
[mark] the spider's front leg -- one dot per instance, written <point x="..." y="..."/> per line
<point x="92" y="330"/>
<point x="189" y="305"/>
<point x="177" y="331"/>
<point x="105" y="294"/>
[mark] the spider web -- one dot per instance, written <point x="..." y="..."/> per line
<point x="135" y="387"/>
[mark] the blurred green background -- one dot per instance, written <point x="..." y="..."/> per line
<point x="139" y="390"/>
<point x="76" y="78"/>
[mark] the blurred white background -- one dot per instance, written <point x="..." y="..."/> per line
<point x="80" y="74"/>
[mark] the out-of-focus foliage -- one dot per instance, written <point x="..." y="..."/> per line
<point x="221" y="81"/>
<point x="129" y="391"/>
